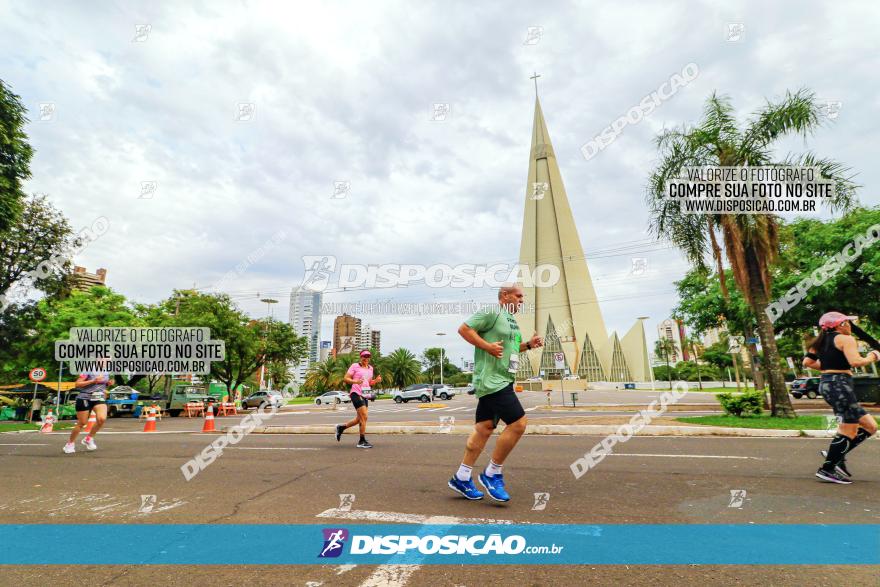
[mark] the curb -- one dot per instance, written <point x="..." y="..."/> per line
<point x="564" y="429"/>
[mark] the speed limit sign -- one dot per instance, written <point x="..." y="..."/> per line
<point x="38" y="374"/>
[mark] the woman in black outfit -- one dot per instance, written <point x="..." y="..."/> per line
<point x="834" y="353"/>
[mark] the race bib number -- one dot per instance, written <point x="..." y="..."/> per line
<point x="97" y="396"/>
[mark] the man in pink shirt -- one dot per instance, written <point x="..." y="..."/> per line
<point x="360" y="377"/>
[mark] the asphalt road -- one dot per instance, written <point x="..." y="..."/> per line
<point x="460" y="407"/>
<point x="298" y="479"/>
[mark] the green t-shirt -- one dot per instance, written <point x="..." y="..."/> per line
<point x="493" y="325"/>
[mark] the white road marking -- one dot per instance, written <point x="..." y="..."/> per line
<point x="683" y="456"/>
<point x="390" y="576"/>
<point x="344" y="569"/>
<point x="22" y="444"/>
<point x="395" y="517"/>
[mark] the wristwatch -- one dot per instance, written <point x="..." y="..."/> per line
<point x="529" y="345"/>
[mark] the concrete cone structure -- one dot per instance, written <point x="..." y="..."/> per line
<point x="567" y="314"/>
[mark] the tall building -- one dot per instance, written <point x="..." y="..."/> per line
<point x="364" y="337"/>
<point x="567" y="314"/>
<point x="346" y="334"/>
<point x="376" y="340"/>
<point x="326" y="347"/>
<point x="673" y="330"/>
<point x="305" y="318"/>
<point x="83" y="280"/>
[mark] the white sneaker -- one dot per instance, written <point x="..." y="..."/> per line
<point x="70" y="448"/>
<point x="89" y="443"/>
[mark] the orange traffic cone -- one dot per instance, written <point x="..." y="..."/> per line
<point x="209" y="420"/>
<point x="92" y="421"/>
<point x="150" y="425"/>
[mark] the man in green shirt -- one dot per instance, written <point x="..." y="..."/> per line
<point x="498" y="344"/>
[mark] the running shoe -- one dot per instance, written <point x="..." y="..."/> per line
<point x="841" y="466"/>
<point x="364" y="444"/>
<point x="89" y="443"/>
<point x="340" y="428"/>
<point x="494" y="486"/>
<point x="70" y="448"/>
<point x="465" y="488"/>
<point x="832" y="477"/>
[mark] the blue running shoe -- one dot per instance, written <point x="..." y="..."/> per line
<point x="465" y="488"/>
<point x="495" y="486"/>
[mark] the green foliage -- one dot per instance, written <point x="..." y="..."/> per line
<point x="806" y="245"/>
<point x="249" y="343"/>
<point x="717" y="355"/>
<point x="431" y="362"/>
<point x="40" y="238"/>
<point x="15" y="157"/>
<point x="750" y="403"/>
<point x="402" y="367"/>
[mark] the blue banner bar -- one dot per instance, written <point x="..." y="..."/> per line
<point x="368" y="544"/>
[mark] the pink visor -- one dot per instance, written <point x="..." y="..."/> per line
<point x="831" y="320"/>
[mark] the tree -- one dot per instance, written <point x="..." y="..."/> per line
<point x="327" y="375"/>
<point x="15" y="157"/>
<point x="718" y="355"/>
<point x="692" y="343"/>
<point x="663" y="348"/>
<point x="431" y="363"/>
<point x="402" y="367"/>
<point x="805" y="246"/>
<point x="751" y="241"/>
<point x="249" y="343"/>
<point x="38" y="244"/>
<point x="51" y="319"/>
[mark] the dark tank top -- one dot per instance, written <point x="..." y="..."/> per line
<point x="830" y="356"/>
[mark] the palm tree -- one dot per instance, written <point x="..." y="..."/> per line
<point x="402" y="368"/>
<point x="663" y="348"/>
<point x="691" y="343"/>
<point x="327" y="375"/>
<point x="750" y="241"/>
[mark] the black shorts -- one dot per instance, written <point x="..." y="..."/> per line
<point x="357" y="400"/>
<point x="502" y="405"/>
<point x="837" y="389"/>
<point x="86" y="405"/>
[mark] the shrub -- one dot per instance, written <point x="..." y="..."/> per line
<point x="750" y="403"/>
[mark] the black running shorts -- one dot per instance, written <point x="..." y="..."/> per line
<point x="837" y="389"/>
<point x="502" y="405"/>
<point x="357" y="400"/>
<point x="86" y="405"/>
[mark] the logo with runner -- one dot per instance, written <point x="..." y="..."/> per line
<point x="37" y="375"/>
<point x="334" y="540"/>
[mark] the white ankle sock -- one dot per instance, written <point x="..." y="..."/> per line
<point x="464" y="472"/>
<point x="492" y="469"/>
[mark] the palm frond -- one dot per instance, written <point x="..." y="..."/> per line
<point x="796" y="113"/>
<point x="844" y="197"/>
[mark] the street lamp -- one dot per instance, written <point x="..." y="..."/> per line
<point x="268" y="302"/>
<point x="647" y="354"/>
<point x="441" y="358"/>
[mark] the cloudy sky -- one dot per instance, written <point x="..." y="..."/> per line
<point x="344" y="92"/>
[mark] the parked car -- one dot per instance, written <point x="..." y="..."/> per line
<point x="120" y="402"/>
<point x="571" y="377"/>
<point x="805" y="386"/>
<point x="419" y="391"/>
<point x="470" y="390"/>
<point x="443" y="391"/>
<point x="263" y="398"/>
<point x="332" y="397"/>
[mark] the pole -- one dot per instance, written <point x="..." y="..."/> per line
<point x="58" y="397"/>
<point x="31" y="408"/>
<point x="441" y="365"/>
